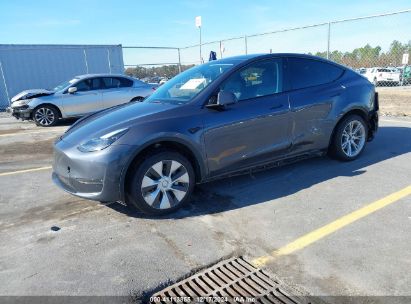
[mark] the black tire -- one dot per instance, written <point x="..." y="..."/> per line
<point x="336" y="148"/>
<point x="45" y="116"/>
<point x="135" y="190"/>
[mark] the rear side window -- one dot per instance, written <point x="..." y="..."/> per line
<point x="117" y="82"/>
<point x="306" y="73"/>
<point x="125" y="83"/>
<point x="384" y="70"/>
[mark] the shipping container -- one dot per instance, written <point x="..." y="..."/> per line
<point x="26" y="66"/>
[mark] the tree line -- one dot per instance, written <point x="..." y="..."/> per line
<point x="368" y="56"/>
<point x="363" y="57"/>
<point x="167" y="71"/>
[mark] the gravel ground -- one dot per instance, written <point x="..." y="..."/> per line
<point x="395" y="101"/>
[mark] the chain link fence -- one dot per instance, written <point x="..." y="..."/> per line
<point x="143" y="62"/>
<point x="376" y="46"/>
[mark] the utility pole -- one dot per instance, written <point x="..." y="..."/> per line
<point x="328" y="40"/>
<point x="198" y="24"/>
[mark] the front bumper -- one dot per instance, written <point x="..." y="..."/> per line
<point x="93" y="175"/>
<point x="23" y="112"/>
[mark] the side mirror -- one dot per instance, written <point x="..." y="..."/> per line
<point x="224" y="98"/>
<point x="72" y="90"/>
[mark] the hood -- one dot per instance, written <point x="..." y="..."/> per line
<point x="103" y="122"/>
<point x="27" y="94"/>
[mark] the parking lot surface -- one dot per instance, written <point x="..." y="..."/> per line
<point x="106" y="250"/>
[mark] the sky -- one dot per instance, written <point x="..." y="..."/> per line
<point x="171" y="23"/>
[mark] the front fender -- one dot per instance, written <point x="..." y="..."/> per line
<point x="163" y="137"/>
<point x="52" y="100"/>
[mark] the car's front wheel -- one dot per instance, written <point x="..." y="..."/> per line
<point x="45" y="116"/>
<point x="161" y="183"/>
<point x="350" y="138"/>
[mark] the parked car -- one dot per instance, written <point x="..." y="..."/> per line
<point x="405" y="74"/>
<point x="217" y="119"/>
<point x="163" y="80"/>
<point x="385" y="76"/>
<point x="77" y="97"/>
<point x="361" y="71"/>
<point x="155" y="80"/>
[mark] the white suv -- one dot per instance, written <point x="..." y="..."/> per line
<point x="385" y="76"/>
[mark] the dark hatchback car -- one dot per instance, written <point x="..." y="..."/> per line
<point x="217" y="119"/>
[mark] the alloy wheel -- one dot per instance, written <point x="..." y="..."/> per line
<point x="353" y="138"/>
<point x="165" y="184"/>
<point x="44" y="116"/>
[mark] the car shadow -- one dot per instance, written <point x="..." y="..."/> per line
<point x="66" y="122"/>
<point x="251" y="189"/>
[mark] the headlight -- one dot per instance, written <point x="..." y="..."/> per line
<point x="21" y="102"/>
<point x="102" y="142"/>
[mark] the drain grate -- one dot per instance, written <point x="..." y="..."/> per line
<point x="233" y="281"/>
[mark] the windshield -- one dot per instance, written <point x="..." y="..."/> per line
<point x="64" y="84"/>
<point x="185" y="86"/>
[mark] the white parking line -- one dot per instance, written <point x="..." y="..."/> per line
<point x="396" y="121"/>
<point x="25" y="171"/>
<point x="28" y="133"/>
<point x="340" y="223"/>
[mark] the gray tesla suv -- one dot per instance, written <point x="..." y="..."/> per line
<point x="220" y="118"/>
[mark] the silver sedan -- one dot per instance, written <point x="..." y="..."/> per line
<point x="77" y="97"/>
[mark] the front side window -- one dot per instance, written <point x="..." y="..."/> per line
<point x="83" y="86"/>
<point x="185" y="86"/>
<point x="88" y="85"/>
<point x="306" y="73"/>
<point x="257" y="79"/>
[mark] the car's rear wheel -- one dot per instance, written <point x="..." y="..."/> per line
<point x="161" y="183"/>
<point x="45" y="116"/>
<point x="350" y="138"/>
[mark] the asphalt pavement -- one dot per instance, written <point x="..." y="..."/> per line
<point x="106" y="250"/>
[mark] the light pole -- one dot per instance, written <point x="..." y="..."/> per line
<point x="198" y="24"/>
